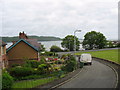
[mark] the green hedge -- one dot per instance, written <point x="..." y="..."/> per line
<point x="32" y="63"/>
<point x="21" y="71"/>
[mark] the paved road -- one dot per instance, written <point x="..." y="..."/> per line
<point x="97" y="75"/>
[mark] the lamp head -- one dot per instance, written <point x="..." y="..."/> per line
<point x="78" y="30"/>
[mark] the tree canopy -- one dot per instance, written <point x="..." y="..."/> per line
<point x="93" y="40"/>
<point x="68" y="43"/>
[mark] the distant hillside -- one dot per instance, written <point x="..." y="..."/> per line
<point x="45" y="38"/>
<point x="39" y="38"/>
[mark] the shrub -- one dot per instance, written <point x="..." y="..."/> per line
<point x="42" y="68"/>
<point x="58" y="62"/>
<point x="56" y="68"/>
<point x="63" y="68"/>
<point x="42" y="60"/>
<point x="72" y="58"/>
<point x="55" y="49"/>
<point x="64" y="56"/>
<point x="70" y="64"/>
<point x="32" y="63"/>
<point x="7" y="81"/>
<point x="21" y="71"/>
<point x="15" y="65"/>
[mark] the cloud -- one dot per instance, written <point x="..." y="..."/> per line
<point x="59" y="18"/>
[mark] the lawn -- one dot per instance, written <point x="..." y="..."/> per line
<point x="111" y="55"/>
<point x="32" y="83"/>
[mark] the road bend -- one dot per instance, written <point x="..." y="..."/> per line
<point x="97" y="75"/>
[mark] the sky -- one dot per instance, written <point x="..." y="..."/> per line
<point x="59" y="17"/>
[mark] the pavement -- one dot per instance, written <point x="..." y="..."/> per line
<point x="97" y="75"/>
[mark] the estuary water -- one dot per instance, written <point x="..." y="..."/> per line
<point x="47" y="44"/>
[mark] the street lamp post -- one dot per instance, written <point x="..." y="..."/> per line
<point x="69" y="40"/>
<point x="75" y="39"/>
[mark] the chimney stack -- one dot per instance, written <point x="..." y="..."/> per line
<point x="22" y="35"/>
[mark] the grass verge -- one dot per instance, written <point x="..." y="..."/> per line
<point x="111" y="55"/>
<point x="32" y="83"/>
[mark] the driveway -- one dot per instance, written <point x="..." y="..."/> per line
<point x="97" y="75"/>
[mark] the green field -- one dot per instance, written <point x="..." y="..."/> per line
<point x="111" y="55"/>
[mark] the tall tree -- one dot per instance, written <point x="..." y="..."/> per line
<point x="94" y="40"/>
<point x="68" y="42"/>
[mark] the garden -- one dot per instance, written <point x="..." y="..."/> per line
<point x="35" y="73"/>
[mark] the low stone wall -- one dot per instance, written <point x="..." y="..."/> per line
<point x="107" y="60"/>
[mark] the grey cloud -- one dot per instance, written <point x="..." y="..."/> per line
<point x="59" y="18"/>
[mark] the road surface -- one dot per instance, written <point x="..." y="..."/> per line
<point x="97" y="75"/>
